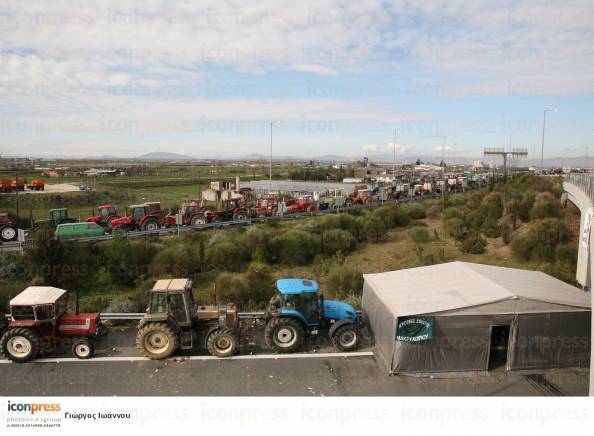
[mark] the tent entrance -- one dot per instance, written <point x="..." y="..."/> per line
<point x="498" y="346"/>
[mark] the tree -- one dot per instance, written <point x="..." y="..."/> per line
<point x="344" y="280"/>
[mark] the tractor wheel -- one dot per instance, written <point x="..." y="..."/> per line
<point x="324" y="206"/>
<point x="240" y="216"/>
<point x="20" y="345"/>
<point x="157" y="341"/>
<point x="197" y="220"/>
<point x="284" y="334"/>
<point x="83" y="348"/>
<point x="151" y="225"/>
<point x="223" y="342"/>
<point x="8" y="233"/>
<point x="346" y="338"/>
<point x="348" y="204"/>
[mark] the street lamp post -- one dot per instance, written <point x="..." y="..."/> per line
<point x="394" y="161"/>
<point x="272" y="123"/>
<point x="544" y="122"/>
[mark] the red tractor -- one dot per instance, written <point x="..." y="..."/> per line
<point x="192" y="214"/>
<point x="155" y="208"/>
<point x="39" y="322"/>
<point x="107" y="213"/>
<point x="233" y="210"/>
<point x="8" y="231"/>
<point x="36" y="185"/>
<point x="360" y="195"/>
<point x="269" y="205"/>
<point x="303" y="203"/>
<point x="139" y="217"/>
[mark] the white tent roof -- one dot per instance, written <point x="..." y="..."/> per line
<point x="457" y="285"/>
<point x="37" y="295"/>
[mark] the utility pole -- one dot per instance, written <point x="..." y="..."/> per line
<point x="272" y="123"/>
<point x="394" y="161"/>
<point x="544" y="122"/>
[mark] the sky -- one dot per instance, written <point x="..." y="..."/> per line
<point x="350" y="78"/>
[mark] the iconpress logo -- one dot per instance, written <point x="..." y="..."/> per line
<point x="33" y="408"/>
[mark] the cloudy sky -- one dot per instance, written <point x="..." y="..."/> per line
<point x="82" y="78"/>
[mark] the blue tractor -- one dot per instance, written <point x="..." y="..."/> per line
<point x="299" y="309"/>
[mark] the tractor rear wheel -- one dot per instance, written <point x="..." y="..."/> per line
<point x="240" y="216"/>
<point x="83" y="348"/>
<point x="157" y="341"/>
<point x="284" y="334"/>
<point x="346" y="338"/>
<point x="20" y="345"/>
<point x="223" y="342"/>
<point x="151" y="225"/>
<point x="8" y="233"/>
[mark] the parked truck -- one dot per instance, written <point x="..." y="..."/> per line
<point x="174" y="322"/>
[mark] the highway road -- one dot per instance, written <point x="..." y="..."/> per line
<point x="318" y="371"/>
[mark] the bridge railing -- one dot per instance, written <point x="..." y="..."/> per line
<point x="583" y="181"/>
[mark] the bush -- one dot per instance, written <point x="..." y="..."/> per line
<point x="506" y="234"/>
<point x="549" y="231"/>
<point x="433" y="211"/>
<point x="566" y="257"/>
<point x="419" y="234"/>
<point x="453" y="212"/>
<point x="491" y="228"/>
<point x="545" y="206"/>
<point x="522" y="247"/>
<point x="456" y="228"/>
<point x="178" y="260"/>
<point x="473" y="245"/>
<point x="414" y="211"/>
<point x="375" y="228"/>
<point x="344" y="280"/>
<point x="224" y="255"/>
<point x="294" y="247"/>
<point x="336" y="240"/>
<point x="230" y="287"/>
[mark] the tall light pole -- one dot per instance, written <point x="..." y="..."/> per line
<point x="544" y="122"/>
<point x="272" y="123"/>
<point x="394" y="161"/>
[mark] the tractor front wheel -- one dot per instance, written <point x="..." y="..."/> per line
<point x="157" y="341"/>
<point x="284" y="334"/>
<point x="197" y="220"/>
<point x="346" y="338"/>
<point x="83" y="348"/>
<point x="8" y="233"/>
<point x="223" y="342"/>
<point x="20" y="345"/>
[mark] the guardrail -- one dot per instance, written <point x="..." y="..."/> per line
<point x="167" y="231"/>
<point x="583" y="181"/>
<point x="132" y="316"/>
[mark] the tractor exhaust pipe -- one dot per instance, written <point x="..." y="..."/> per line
<point x="213" y="295"/>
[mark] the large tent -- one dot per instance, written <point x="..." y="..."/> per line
<point x="463" y="316"/>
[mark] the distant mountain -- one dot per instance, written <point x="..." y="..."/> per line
<point x="161" y="155"/>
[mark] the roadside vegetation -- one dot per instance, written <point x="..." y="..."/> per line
<point x="519" y="224"/>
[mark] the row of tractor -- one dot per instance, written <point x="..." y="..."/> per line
<point x="7" y="185"/>
<point x="39" y="323"/>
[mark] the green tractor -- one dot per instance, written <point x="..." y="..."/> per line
<point x="56" y="216"/>
<point x="333" y="199"/>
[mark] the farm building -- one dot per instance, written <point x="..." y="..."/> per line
<point x="462" y="316"/>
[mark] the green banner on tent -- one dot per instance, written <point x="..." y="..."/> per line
<point x="415" y="329"/>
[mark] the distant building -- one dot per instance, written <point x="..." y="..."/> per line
<point x="96" y="172"/>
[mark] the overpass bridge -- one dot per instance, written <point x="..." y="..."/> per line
<point x="579" y="189"/>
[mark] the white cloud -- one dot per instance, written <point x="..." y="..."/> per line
<point x="369" y="147"/>
<point x="400" y="148"/>
<point x="315" y="69"/>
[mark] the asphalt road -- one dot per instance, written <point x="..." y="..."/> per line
<point x="118" y="370"/>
